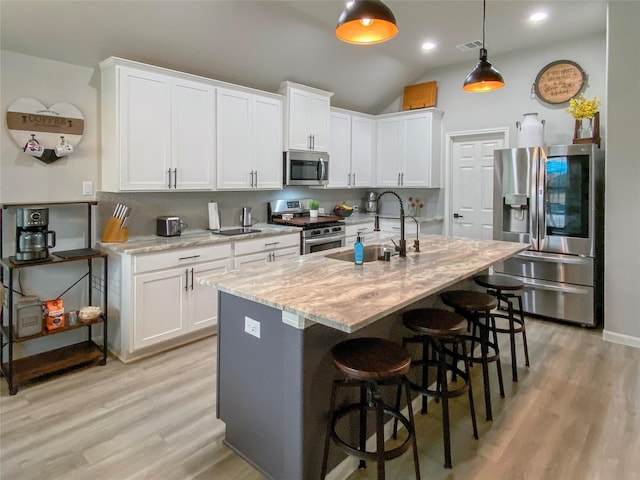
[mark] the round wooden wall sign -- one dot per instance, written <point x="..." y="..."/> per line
<point x="559" y="81"/>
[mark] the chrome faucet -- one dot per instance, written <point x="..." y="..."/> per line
<point x="402" y="248"/>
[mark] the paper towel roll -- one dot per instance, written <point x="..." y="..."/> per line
<point x="214" y="216"/>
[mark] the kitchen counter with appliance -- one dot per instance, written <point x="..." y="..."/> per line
<point x="277" y="324"/>
<point x="323" y="290"/>
<point x="153" y="243"/>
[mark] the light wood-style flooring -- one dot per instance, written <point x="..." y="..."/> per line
<point x="574" y="414"/>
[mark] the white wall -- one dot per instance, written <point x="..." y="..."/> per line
<point x="622" y="197"/>
<point x="502" y="108"/>
<point x="24" y="178"/>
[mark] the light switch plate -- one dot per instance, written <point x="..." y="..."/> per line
<point x="87" y="187"/>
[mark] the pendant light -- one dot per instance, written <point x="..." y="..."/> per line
<point x="484" y="77"/>
<point x="366" y="22"/>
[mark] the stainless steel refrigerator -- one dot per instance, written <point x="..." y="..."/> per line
<point x="552" y="198"/>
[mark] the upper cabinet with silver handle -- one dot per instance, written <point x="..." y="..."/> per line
<point x="409" y="149"/>
<point x="306" y="117"/>
<point x="156" y="123"/>
<point x="248" y="140"/>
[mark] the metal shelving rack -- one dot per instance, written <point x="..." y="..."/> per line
<point x="22" y="370"/>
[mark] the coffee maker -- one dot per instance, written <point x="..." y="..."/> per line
<point x="33" y="237"/>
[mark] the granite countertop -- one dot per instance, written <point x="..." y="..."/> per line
<point x="345" y="296"/>
<point x="154" y="243"/>
<point x="358" y="218"/>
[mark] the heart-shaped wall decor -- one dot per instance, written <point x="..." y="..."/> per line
<point x="47" y="133"/>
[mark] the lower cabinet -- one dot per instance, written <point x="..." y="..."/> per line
<point x="161" y="301"/>
<point x="266" y="250"/>
<point x="170" y="303"/>
<point x="367" y="235"/>
<point x="390" y="227"/>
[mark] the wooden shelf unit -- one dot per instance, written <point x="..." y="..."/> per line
<point x="20" y="371"/>
<point x="58" y="360"/>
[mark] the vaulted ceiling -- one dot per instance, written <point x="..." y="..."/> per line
<point x="259" y="43"/>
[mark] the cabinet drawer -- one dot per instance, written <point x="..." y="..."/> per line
<point x="393" y="226"/>
<point x="265" y="244"/>
<point x="363" y="228"/>
<point x="180" y="256"/>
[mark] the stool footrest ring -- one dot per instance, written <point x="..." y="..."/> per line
<point x="373" y="455"/>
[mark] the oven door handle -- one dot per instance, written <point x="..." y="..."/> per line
<point x="325" y="239"/>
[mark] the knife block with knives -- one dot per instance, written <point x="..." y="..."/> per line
<point x="116" y="229"/>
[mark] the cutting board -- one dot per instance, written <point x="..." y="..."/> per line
<point x="303" y="221"/>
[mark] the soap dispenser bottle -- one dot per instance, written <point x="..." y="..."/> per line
<point x="358" y="251"/>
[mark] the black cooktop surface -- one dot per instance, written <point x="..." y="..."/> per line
<point x="236" y="231"/>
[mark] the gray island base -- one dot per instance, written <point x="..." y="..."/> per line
<point x="278" y="323"/>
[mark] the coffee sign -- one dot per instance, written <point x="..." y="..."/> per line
<point x="559" y="81"/>
<point x="47" y="133"/>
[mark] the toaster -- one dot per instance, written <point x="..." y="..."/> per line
<point x="168" y="226"/>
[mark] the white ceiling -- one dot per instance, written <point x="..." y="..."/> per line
<point x="259" y="43"/>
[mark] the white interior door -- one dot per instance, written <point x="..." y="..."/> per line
<point x="472" y="184"/>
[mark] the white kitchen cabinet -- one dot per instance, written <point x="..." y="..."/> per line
<point x="170" y="303"/>
<point x="367" y="234"/>
<point x="266" y="249"/>
<point x="390" y="227"/>
<point x="409" y="149"/>
<point x="161" y="304"/>
<point x="351" y="150"/>
<point x="306" y="117"/>
<point x="249" y="140"/>
<point x="158" y="129"/>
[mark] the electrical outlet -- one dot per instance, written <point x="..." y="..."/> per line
<point x="252" y="327"/>
<point x="87" y="187"/>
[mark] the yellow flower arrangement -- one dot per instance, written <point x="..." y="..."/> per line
<point x="581" y="107"/>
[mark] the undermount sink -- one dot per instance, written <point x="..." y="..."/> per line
<point x="371" y="253"/>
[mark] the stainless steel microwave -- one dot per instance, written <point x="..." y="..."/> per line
<point x="306" y="168"/>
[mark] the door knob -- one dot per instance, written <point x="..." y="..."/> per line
<point x="457" y="215"/>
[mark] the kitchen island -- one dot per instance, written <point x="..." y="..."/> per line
<point x="278" y="323"/>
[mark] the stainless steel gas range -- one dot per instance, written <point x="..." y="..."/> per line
<point x="316" y="233"/>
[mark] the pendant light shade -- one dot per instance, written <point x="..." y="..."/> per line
<point x="484" y="76"/>
<point x="366" y="22"/>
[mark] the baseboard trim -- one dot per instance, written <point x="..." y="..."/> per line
<point x="621" y="339"/>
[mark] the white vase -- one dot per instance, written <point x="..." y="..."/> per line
<point x="530" y="131"/>
<point x="313" y="213"/>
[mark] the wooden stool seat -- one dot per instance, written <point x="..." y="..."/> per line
<point x="369" y="364"/>
<point x="469" y="300"/>
<point x="476" y="306"/>
<point x="507" y="289"/>
<point x="371" y="358"/>
<point x="498" y="282"/>
<point x="435" y="322"/>
<point x="443" y="334"/>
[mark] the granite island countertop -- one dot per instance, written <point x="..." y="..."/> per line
<point x="345" y="296"/>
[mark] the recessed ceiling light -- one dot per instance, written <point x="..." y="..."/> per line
<point x="538" y="16"/>
<point x="426" y="46"/>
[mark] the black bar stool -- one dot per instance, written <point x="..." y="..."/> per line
<point x="442" y="332"/>
<point x="476" y="308"/>
<point x="368" y="364"/>
<point x="504" y="288"/>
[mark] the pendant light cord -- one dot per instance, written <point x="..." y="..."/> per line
<point x="484" y="19"/>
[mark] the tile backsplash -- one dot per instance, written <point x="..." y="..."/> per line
<point x="192" y="207"/>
